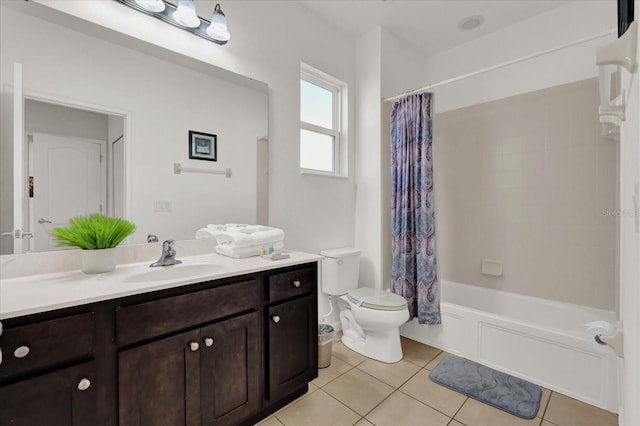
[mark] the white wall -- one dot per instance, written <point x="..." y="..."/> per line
<point x="562" y="25"/>
<point x="630" y="253"/>
<point x="368" y="157"/>
<point x="316" y="212"/>
<point x="59" y="120"/>
<point x="402" y="67"/>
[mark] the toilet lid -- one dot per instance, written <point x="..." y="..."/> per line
<point x="380" y="300"/>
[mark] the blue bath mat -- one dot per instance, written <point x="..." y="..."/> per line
<point x="500" y="390"/>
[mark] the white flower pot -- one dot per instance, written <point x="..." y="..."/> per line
<point x="98" y="261"/>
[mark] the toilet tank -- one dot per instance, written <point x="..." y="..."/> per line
<point x="340" y="269"/>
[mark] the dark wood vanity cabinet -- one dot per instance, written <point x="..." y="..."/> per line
<point x="45" y="378"/>
<point x="208" y="376"/>
<point x="292" y="323"/>
<point x="293" y="346"/>
<point x="218" y="353"/>
<point x="65" y="397"/>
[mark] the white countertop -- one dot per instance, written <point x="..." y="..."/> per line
<point x="40" y="293"/>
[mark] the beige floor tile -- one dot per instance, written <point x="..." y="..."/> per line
<point x="392" y="374"/>
<point x="364" y="422"/>
<point x="417" y="352"/>
<point x="455" y="423"/>
<point x="337" y="368"/>
<point x="358" y="391"/>
<point x="546" y="423"/>
<point x="434" y="395"/>
<point x="544" y="400"/>
<point x="474" y="413"/>
<point x="317" y="409"/>
<point x="312" y="388"/>
<point x="402" y="410"/>
<point x="270" y="421"/>
<point x="434" y="362"/>
<point x="347" y="355"/>
<point x="565" y="411"/>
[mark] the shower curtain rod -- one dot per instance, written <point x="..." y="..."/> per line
<point x="503" y="64"/>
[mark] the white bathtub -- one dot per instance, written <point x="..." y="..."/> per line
<point x="535" y="339"/>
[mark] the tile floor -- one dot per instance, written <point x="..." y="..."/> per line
<point x="359" y="391"/>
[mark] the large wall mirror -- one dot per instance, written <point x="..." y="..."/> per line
<point x="105" y="120"/>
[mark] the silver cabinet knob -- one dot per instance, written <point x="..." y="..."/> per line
<point x="297" y="284"/>
<point x="275" y="318"/>
<point x="21" y="352"/>
<point x="208" y="342"/>
<point x="84" y="384"/>
<point x="194" y="346"/>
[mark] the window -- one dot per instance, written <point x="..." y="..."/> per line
<point x="321" y="140"/>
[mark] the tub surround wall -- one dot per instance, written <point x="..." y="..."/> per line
<point x="528" y="181"/>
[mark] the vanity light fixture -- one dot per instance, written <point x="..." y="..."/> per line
<point x="184" y="16"/>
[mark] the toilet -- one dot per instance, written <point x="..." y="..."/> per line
<point x="370" y="318"/>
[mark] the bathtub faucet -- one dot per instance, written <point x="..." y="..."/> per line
<point x="168" y="256"/>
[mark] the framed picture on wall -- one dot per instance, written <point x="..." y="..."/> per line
<point x="203" y="146"/>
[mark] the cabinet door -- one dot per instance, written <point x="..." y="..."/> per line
<point x="63" y="398"/>
<point x="230" y="369"/>
<point x="159" y="383"/>
<point x="293" y="346"/>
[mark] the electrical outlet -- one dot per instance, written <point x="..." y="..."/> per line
<point x="162" y="206"/>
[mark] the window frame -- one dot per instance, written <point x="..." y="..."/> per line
<point x="338" y="89"/>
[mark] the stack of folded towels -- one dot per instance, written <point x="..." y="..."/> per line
<point x="240" y="240"/>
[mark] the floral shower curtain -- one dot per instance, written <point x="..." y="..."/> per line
<point x="412" y="208"/>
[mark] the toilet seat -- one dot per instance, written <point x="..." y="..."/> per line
<point x="379" y="300"/>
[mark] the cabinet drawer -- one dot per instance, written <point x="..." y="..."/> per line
<point x="292" y="283"/>
<point x="165" y="316"/>
<point x="46" y="344"/>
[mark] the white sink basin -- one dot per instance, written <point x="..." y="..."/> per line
<point x="174" y="272"/>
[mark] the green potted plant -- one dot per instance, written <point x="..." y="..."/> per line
<point x="97" y="236"/>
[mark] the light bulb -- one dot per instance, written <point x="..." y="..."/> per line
<point x="185" y="14"/>
<point x="218" y="29"/>
<point x="151" y="5"/>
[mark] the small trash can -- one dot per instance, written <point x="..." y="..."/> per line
<point x="326" y="335"/>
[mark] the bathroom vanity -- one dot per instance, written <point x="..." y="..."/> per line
<point x="227" y="347"/>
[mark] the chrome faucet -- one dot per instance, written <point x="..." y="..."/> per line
<point x="168" y="255"/>
<point x="152" y="238"/>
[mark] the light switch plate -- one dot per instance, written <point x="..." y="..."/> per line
<point x="162" y="206"/>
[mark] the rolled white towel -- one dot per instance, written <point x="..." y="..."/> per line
<point x="242" y="252"/>
<point x="252" y="229"/>
<point x="235" y="239"/>
<point x="242" y="239"/>
<point x="205" y="233"/>
<point x="269" y="236"/>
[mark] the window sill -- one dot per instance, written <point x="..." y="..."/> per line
<point x="321" y="173"/>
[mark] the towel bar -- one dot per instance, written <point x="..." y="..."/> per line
<point x="177" y="169"/>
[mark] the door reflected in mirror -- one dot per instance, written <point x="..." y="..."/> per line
<point x="75" y="167"/>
